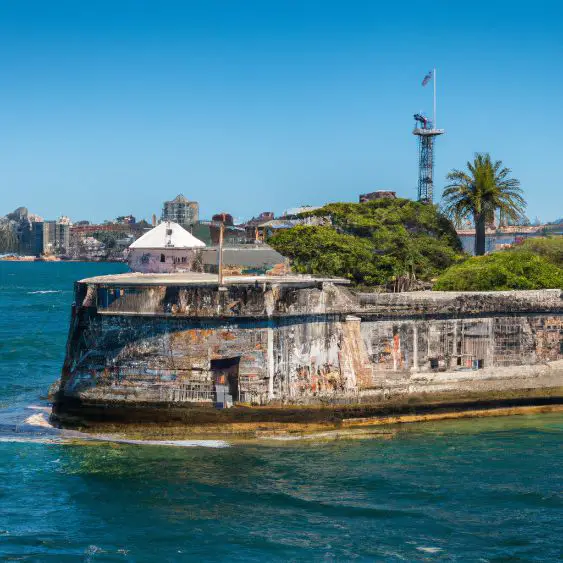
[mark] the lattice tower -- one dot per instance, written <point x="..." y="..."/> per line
<point x="426" y="134"/>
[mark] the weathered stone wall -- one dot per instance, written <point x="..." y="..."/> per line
<point x="162" y="359"/>
<point x="462" y="343"/>
<point x="203" y="300"/>
<point x="302" y="342"/>
<point x="444" y="304"/>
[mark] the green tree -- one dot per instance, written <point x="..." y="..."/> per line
<point x="381" y="242"/>
<point x="479" y="192"/>
<point x="108" y="238"/>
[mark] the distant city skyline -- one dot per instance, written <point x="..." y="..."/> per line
<point x="108" y="109"/>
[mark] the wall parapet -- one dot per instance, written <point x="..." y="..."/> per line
<point x="439" y="304"/>
<point x="280" y="297"/>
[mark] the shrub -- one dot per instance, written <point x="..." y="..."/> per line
<point x="551" y="248"/>
<point x="517" y="268"/>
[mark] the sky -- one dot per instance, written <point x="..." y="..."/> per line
<point x="109" y="108"/>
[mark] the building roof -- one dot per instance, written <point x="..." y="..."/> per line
<point x="297" y="210"/>
<point x="180" y="198"/>
<point x="195" y="278"/>
<point x="167" y="235"/>
<point x="244" y="255"/>
<point x="279" y="223"/>
<point x="510" y="230"/>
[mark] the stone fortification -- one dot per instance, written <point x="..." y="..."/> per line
<point x="149" y="347"/>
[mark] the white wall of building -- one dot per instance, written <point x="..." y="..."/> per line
<point x="165" y="260"/>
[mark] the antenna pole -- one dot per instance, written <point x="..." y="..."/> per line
<point x="221" y="228"/>
<point x="434" y="75"/>
<point x="426" y="133"/>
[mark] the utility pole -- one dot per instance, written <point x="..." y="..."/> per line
<point x="221" y="229"/>
<point x="434" y="81"/>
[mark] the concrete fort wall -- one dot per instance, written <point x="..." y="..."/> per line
<point x="304" y="342"/>
<point x="156" y="359"/>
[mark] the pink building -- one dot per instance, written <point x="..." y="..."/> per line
<point x="166" y="248"/>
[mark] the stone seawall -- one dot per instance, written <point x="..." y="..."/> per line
<point x="272" y="345"/>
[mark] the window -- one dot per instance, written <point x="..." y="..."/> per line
<point x="162" y="258"/>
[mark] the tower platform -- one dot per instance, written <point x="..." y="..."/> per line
<point x="427" y="132"/>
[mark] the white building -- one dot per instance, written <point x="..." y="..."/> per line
<point x="92" y="248"/>
<point x="166" y="248"/>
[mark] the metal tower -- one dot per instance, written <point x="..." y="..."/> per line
<point x="425" y="131"/>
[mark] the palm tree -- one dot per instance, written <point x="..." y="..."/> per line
<point x="485" y="188"/>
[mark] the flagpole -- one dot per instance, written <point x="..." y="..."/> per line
<point x="434" y="75"/>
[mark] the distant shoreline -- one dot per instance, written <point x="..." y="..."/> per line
<point x="18" y="258"/>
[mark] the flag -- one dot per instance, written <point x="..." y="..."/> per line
<point x="427" y="78"/>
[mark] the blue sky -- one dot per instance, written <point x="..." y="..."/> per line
<point x="108" y="108"/>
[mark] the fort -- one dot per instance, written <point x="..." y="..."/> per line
<point x="182" y="349"/>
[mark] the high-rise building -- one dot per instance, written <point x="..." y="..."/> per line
<point x="49" y="237"/>
<point x="62" y="237"/>
<point x="182" y="211"/>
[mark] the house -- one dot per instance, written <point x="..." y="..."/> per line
<point x="497" y="238"/>
<point x="166" y="248"/>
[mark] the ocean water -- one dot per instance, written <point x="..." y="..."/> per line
<point x="470" y="490"/>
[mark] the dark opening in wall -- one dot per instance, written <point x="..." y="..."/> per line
<point x="226" y="380"/>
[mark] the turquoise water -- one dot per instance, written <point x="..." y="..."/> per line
<point x="473" y="490"/>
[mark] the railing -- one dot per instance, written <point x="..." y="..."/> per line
<point x="185" y="394"/>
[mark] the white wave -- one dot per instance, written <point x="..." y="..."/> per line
<point x="176" y="443"/>
<point x="62" y="438"/>
<point x="29" y="439"/>
<point x="38" y="419"/>
<point x="429" y="549"/>
<point x="43" y="291"/>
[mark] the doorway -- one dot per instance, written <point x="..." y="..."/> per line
<point x="225" y="381"/>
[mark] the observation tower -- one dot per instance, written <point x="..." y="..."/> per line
<point x="426" y="131"/>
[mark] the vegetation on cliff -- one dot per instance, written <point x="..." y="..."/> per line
<point x="536" y="264"/>
<point x="373" y="243"/>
